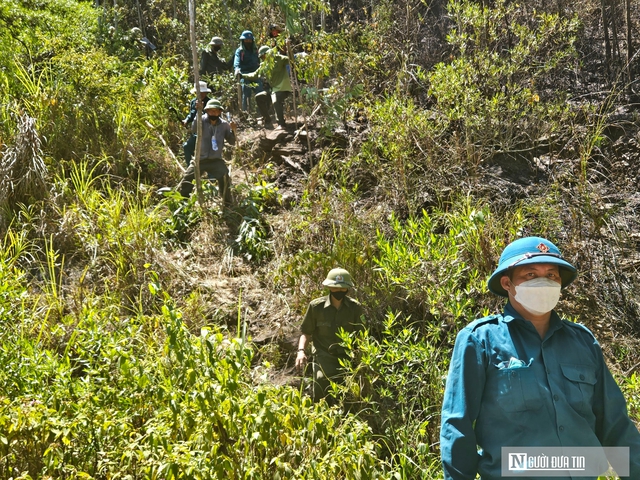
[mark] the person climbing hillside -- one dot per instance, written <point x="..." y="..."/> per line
<point x="246" y="60"/>
<point x="273" y="67"/>
<point x="274" y="30"/>
<point x="210" y="61"/>
<point x="143" y="42"/>
<point x="215" y="132"/>
<point x="324" y="318"/>
<point x="189" y="146"/>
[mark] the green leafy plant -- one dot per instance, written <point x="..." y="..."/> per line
<point x="489" y="90"/>
<point x="253" y="237"/>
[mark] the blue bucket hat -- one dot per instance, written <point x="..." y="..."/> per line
<point x="526" y="251"/>
<point x="246" y="35"/>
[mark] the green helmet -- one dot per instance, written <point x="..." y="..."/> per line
<point x="338" y="277"/>
<point x="213" y="103"/>
<point x="263" y="50"/>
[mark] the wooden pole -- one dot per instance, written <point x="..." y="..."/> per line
<point x="196" y="79"/>
<point x="629" y="45"/>
<point x="294" y="81"/>
<point x="607" y="43"/>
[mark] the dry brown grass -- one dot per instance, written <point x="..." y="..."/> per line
<point x="23" y="173"/>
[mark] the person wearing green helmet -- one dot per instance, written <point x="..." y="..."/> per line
<point x="526" y="382"/>
<point x="325" y="317"/>
<point x="215" y="132"/>
<point x="273" y="67"/>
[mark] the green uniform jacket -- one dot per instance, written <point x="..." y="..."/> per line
<point x="277" y="75"/>
<point x="322" y="322"/>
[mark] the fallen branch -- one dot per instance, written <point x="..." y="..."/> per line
<point x="159" y="135"/>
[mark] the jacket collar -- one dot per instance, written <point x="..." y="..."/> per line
<point x="509" y="314"/>
<point x="345" y="301"/>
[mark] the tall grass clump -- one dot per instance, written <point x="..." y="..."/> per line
<point x="23" y="173"/>
<point x="115" y="233"/>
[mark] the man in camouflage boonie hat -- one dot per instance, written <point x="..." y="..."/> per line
<point x="325" y="317"/>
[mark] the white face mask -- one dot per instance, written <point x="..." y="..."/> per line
<point x="538" y="296"/>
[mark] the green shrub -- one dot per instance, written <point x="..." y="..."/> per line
<point x="434" y="265"/>
<point x="494" y="91"/>
<point x="119" y="398"/>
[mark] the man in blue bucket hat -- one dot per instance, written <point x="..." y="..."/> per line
<point x="526" y="378"/>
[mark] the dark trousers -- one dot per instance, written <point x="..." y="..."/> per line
<point x="264" y="105"/>
<point x="215" y="168"/>
<point x="326" y="368"/>
<point x="279" y="106"/>
<point x="189" y="148"/>
<point x="247" y="90"/>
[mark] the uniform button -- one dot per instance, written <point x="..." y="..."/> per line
<point x="555" y="397"/>
<point x="548" y="371"/>
<point x="561" y="428"/>
<point x="581" y="377"/>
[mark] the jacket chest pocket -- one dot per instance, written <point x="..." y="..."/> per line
<point x="580" y="386"/>
<point x="325" y="329"/>
<point x="517" y="389"/>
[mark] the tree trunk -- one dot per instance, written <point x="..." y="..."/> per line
<point x="614" y="33"/>
<point x="607" y="42"/>
<point x="630" y="51"/>
<point x="196" y="80"/>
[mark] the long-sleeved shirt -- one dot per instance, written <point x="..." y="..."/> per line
<point x="277" y="73"/>
<point x="508" y="387"/>
<point x="221" y="131"/>
<point x="323" y="321"/>
<point x="193" y="110"/>
<point x="246" y="60"/>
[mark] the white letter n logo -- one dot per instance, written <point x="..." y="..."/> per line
<point x="517" y="461"/>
